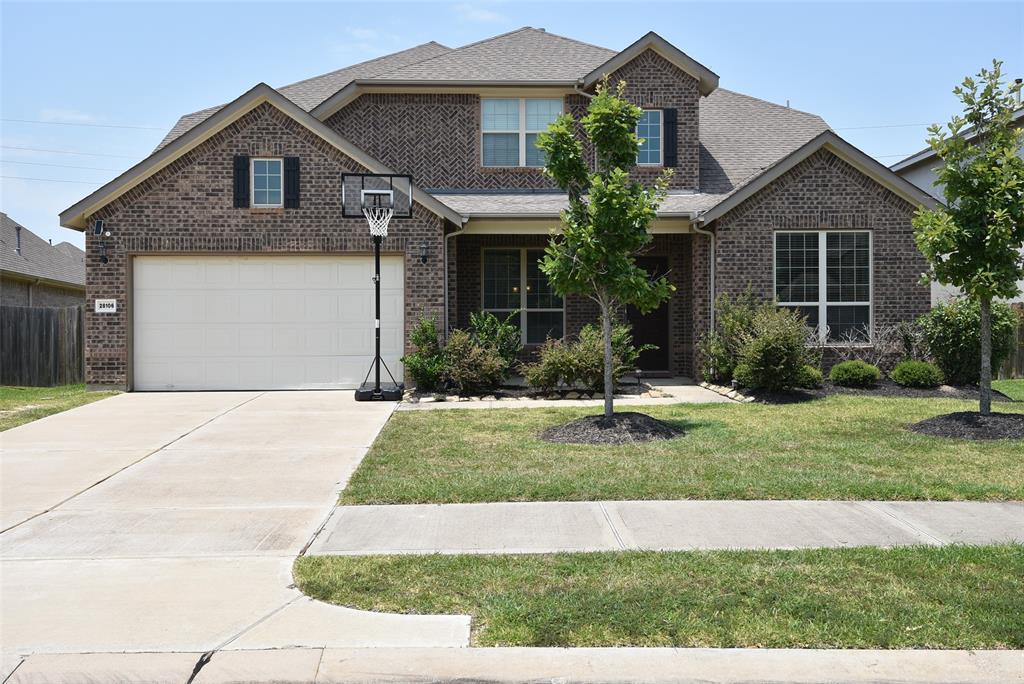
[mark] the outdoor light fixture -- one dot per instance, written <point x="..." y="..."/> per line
<point x="103" y="252"/>
<point x="377" y="197"/>
<point x="423" y="252"/>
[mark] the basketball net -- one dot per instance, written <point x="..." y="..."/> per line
<point x="378" y="218"/>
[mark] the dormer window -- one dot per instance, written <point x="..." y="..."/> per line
<point x="509" y="129"/>
<point x="649" y="131"/>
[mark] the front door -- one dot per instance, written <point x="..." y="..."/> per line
<point x="651" y="328"/>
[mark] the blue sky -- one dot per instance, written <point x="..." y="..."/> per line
<point x="878" y="72"/>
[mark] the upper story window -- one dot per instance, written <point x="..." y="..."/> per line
<point x="267" y="182"/>
<point x="826" y="276"/>
<point x="649" y="132"/>
<point x="509" y="128"/>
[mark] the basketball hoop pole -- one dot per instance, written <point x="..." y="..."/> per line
<point x="376" y="286"/>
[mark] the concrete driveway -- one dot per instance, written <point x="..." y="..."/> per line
<point x="169" y="522"/>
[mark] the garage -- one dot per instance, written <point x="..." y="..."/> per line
<point x="261" y="322"/>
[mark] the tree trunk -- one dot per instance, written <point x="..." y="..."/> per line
<point x="606" y="329"/>
<point x="986" y="356"/>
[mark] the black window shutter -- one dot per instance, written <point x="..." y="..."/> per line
<point x="670" y="137"/>
<point x="291" y="182"/>
<point x="241" y="181"/>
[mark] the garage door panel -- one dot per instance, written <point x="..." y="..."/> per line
<point x="261" y="322"/>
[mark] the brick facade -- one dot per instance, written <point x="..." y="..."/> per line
<point x="186" y="208"/>
<point x="17" y="292"/>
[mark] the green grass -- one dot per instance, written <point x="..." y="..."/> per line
<point x="841" y="447"/>
<point x="1011" y="388"/>
<point x="912" y="597"/>
<point x="20" y="405"/>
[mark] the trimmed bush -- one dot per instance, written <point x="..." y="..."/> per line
<point x="426" y="363"/>
<point x="920" y="374"/>
<point x="469" y="367"/>
<point x="581" y="362"/>
<point x="855" y="373"/>
<point x="809" y="377"/>
<point x="773" y="351"/>
<point x="719" y="351"/>
<point x="503" y="336"/>
<point x="554" y="366"/>
<point x="953" y="332"/>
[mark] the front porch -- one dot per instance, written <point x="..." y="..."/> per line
<point x="492" y="266"/>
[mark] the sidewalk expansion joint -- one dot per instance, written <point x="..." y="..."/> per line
<point x="611" y="525"/>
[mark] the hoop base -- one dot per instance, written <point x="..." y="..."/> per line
<point x="388" y="392"/>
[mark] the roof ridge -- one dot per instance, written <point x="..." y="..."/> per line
<point x="774" y="104"/>
<point x="368" y="61"/>
<point x="458" y="49"/>
<point x="579" y="42"/>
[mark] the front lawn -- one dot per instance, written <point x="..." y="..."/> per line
<point x="839" y="447"/>
<point x="1014" y="389"/>
<point x="20" y="405"/>
<point x="911" y="597"/>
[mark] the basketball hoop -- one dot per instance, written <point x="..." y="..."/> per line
<point x="378" y="218"/>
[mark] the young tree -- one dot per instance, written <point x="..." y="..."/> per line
<point x="608" y="215"/>
<point x="974" y="241"/>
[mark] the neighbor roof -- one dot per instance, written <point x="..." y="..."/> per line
<point x="62" y="263"/>
<point x="928" y="153"/>
<point x="312" y="91"/>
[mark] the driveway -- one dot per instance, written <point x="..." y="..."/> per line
<point x="169" y="522"/>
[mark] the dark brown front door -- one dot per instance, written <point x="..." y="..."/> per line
<point x="651" y="328"/>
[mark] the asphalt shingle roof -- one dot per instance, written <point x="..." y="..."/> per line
<point x="62" y="262"/>
<point x="312" y="91"/>
<point x="527" y="54"/>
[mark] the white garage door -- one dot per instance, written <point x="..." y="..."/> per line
<point x="261" y="322"/>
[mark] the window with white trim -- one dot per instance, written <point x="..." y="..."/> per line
<point x="826" y="276"/>
<point x="512" y="280"/>
<point x="267" y="182"/>
<point x="648" y="129"/>
<point x="509" y="129"/>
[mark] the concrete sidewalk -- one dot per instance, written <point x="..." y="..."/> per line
<point x="590" y="665"/>
<point x="547" y="527"/>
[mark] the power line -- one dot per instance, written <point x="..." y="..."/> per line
<point x="62" y="166"/>
<point x="84" y="154"/>
<point x="51" y="180"/>
<point x="76" y="123"/>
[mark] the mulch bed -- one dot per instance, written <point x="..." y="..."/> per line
<point x="621" y="428"/>
<point x="973" y="425"/>
<point x="885" y="388"/>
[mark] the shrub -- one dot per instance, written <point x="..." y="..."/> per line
<point x="490" y="331"/>
<point x="426" y="363"/>
<point x="889" y="345"/>
<point x="809" y="377"/>
<point x="469" y="367"/>
<point x="719" y="351"/>
<point x="582" y="360"/>
<point x="855" y="373"/>
<point x="773" y="351"/>
<point x="919" y="374"/>
<point x="953" y="331"/>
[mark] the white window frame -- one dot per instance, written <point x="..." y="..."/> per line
<point x="252" y="183"/>
<point x="822" y="304"/>
<point x="522" y="131"/>
<point x="661" y="140"/>
<point x="523" y="251"/>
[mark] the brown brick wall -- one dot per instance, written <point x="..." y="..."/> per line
<point x="436" y="137"/>
<point x="15" y="292"/>
<point x="821" y="193"/>
<point x="187" y="209"/>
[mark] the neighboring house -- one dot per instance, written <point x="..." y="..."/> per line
<point x="35" y="273"/>
<point x="920" y="169"/>
<point x="223" y="280"/>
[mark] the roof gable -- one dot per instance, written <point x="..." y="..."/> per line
<point x="652" y="41"/>
<point x="76" y="215"/>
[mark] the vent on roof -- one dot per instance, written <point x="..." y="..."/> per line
<point x="17" y="243"/>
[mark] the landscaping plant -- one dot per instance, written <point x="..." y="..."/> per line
<point x="919" y="374"/>
<point x="974" y="241"/>
<point x="469" y="367"/>
<point x="426" y="363"/>
<point x="773" y="352"/>
<point x="609" y="212"/>
<point x="582" y="360"/>
<point x="855" y="373"/>
<point x="809" y="377"/>
<point x="504" y="336"/>
<point x="953" y="331"/>
<point x="719" y="350"/>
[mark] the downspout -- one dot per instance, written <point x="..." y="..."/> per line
<point x="576" y="89"/>
<point x="447" y="320"/>
<point x="711" y="273"/>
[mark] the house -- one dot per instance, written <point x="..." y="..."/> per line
<point x="920" y="169"/>
<point x="224" y="261"/>
<point x="35" y="273"/>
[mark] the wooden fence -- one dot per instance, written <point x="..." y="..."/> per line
<point x="41" y="346"/>
<point x="1013" y="367"/>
